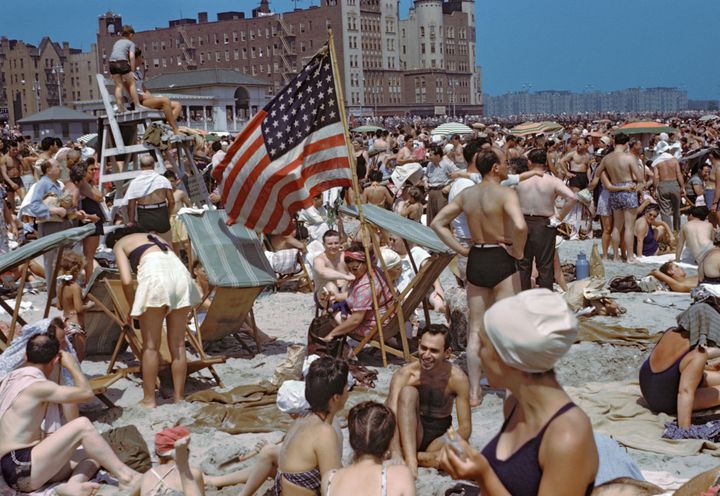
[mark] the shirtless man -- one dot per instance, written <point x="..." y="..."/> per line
<point x="697" y="233"/>
<point x="405" y="154"/>
<point x="422" y="395"/>
<point x="375" y="193"/>
<point x="537" y="201"/>
<point x="29" y="458"/>
<point x="675" y="278"/>
<point x="330" y="273"/>
<point x="11" y="170"/>
<point x="48" y="148"/>
<point x="150" y="200"/>
<point x="711" y="196"/>
<point x="576" y="164"/>
<point x="622" y="182"/>
<point x="177" y="228"/>
<point x="499" y="232"/>
<point x="669" y="188"/>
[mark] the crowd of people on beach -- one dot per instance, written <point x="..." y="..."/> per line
<point x="497" y="199"/>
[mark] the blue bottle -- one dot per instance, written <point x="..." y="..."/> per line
<point x="582" y="267"/>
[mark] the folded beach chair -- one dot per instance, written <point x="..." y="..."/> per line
<point x="393" y="322"/>
<point x="237" y="269"/>
<point x="133" y="337"/>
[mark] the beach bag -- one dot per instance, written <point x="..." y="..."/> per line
<point x="130" y="447"/>
<point x="291" y="366"/>
<point x="319" y="328"/>
<point x="626" y="284"/>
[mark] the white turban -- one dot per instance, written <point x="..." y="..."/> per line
<point x="532" y="330"/>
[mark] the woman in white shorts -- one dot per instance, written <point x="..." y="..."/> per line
<point x="165" y="292"/>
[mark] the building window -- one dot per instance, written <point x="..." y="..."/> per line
<point x="227" y="55"/>
<point x="242" y="35"/>
<point x="217" y="56"/>
<point x="215" y="39"/>
<point x="156" y="63"/>
<point x="244" y="53"/>
<point x="235" y="37"/>
<point x="226" y="38"/>
<point x="422" y="30"/>
<point x="236" y="54"/>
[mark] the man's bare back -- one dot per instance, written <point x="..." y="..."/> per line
<point x="376" y="194"/>
<point x="668" y="170"/>
<point x="20" y="425"/>
<point x="537" y="195"/>
<point x="620" y="167"/>
<point x="697" y="235"/>
<point x="484" y="208"/>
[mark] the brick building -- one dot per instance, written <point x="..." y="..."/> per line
<point x="35" y="78"/>
<point x="422" y="65"/>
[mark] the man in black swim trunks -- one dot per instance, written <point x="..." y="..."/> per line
<point x="499" y="232"/>
<point x="421" y="396"/>
<point x="30" y="458"/>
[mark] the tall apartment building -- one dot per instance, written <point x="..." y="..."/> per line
<point x="34" y="78"/>
<point x="552" y="102"/>
<point x="422" y="65"/>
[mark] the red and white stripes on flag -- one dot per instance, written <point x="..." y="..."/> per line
<point x="289" y="152"/>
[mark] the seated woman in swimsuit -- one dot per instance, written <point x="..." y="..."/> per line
<point x="371" y="426"/>
<point x="649" y="231"/>
<point x="361" y="321"/>
<point x="546" y="441"/>
<point x="674" y="380"/>
<point x="165" y="293"/>
<point x="312" y="446"/>
<point x="174" y="476"/>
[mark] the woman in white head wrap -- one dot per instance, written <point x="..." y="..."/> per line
<point x="545" y="446"/>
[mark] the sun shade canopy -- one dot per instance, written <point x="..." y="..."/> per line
<point x="231" y="255"/>
<point x="405" y="228"/>
<point x="45" y="244"/>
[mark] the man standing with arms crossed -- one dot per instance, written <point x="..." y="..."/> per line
<point x="499" y="233"/>
<point x="621" y="168"/>
<point x="669" y="187"/>
<point x="537" y="202"/>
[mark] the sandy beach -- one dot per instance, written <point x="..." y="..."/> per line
<point x="287" y="316"/>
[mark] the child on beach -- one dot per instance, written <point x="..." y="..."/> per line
<point x="70" y="301"/>
<point x="122" y="68"/>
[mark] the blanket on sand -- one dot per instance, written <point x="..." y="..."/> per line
<point x="617" y="335"/>
<point x="618" y="410"/>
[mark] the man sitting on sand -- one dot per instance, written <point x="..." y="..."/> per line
<point x="421" y="396"/>
<point x="31" y="458"/>
<point x="675" y="277"/>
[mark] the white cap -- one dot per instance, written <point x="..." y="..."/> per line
<point x="532" y="330"/>
<point x="448" y="148"/>
<point x="390" y="257"/>
<point x="664" y="136"/>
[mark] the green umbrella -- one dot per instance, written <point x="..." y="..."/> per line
<point x="452" y="128"/>
<point x="528" y="128"/>
<point x="367" y="129"/>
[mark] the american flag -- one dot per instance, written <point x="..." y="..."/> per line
<point x="289" y="152"/>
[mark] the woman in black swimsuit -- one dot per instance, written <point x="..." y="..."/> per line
<point x="90" y="203"/>
<point x="674" y="380"/>
<point x="546" y="441"/>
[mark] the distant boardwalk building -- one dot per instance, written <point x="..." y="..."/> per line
<point x="566" y="102"/>
<point x="422" y="65"/>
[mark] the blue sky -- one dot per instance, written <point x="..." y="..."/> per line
<point x="578" y="45"/>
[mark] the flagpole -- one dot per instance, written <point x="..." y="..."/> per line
<point x="356" y="194"/>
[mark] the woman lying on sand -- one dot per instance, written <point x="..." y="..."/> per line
<point x="546" y="442"/>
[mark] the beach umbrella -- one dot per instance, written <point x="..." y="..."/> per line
<point x="709" y="117"/>
<point x="452" y="128"/>
<point x="644" y="127"/>
<point x="86" y="138"/>
<point x="367" y="129"/>
<point x="528" y="128"/>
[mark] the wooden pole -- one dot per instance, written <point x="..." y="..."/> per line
<point x="18" y="300"/>
<point x="356" y="193"/>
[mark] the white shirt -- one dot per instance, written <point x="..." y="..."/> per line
<point x="419" y="255"/>
<point x="217" y="157"/>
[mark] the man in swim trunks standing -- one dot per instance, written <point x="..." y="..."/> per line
<point x="421" y="396"/>
<point x="576" y="164"/>
<point x="621" y="168"/>
<point x="31" y="458"/>
<point x="499" y="233"/>
<point x="11" y="170"/>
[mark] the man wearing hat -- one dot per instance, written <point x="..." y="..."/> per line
<point x="669" y="184"/>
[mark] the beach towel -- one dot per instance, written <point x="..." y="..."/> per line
<point x="618" y="410"/>
<point x="663" y="157"/>
<point x="661" y="259"/>
<point x="143" y="184"/>
<point x="616" y="335"/>
<point x="702" y="321"/>
<point x="709" y="431"/>
<point x="15" y="383"/>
